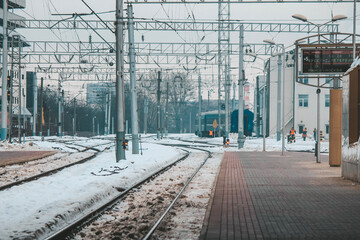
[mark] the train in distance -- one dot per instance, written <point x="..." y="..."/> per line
<point x="207" y="123"/>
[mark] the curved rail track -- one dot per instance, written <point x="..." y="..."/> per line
<point x="55" y="170"/>
<point x="81" y="222"/>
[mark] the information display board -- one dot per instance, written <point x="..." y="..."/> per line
<point x="326" y="60"/>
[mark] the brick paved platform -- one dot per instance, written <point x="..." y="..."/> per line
<point x="269" y="196"/>
<point x="13" y="157"/>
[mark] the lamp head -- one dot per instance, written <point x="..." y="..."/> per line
<point x="338" y="17"/>
<point x="300" y="17"/>
<point x="269" y="41"/>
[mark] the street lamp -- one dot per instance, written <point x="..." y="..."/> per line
<point x="304" y="19"/>
<point x="280" y="63"/>
<point x="264" y="101"/>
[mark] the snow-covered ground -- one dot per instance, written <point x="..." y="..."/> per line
<point x="31" y="206"/>
<point x="60" y="197"/>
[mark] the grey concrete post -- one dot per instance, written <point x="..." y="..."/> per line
<point x="4" y="73"/>
<point x="199" y="106"/>
<point x="35" y="111"/>
<point x="59" y="109"/>
<point x="278" y="108"/>
<point x="134" y="114"/>
<point x="158" y="106"/>
<point x="241" y="139"/>
<point x="120" y="106"/>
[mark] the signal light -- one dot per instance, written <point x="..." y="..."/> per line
<point x="126" y="144"/>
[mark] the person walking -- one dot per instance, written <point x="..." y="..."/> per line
<point x="304" y="134"/>
<point x="314" y="134"/>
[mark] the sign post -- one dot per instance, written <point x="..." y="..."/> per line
<point x="214" y="126"/>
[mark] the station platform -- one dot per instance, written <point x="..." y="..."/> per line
<point x="263" y="195"/>
<point x="15" y="157"/>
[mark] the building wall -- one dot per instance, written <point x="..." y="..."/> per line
<point x="305" y="116"/>
<point x="288" y="96"/>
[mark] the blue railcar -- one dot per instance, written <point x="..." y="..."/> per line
<point x="248" y="122"/>
<point x="207" y="120"/>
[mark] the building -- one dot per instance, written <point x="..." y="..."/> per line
<point x="300" y="109"/>
<point x="16" y="78"/>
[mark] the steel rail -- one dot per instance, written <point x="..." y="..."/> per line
<point x="53" y="171"/>
<point x="161" y="218"/>
<point x="73" y="227"/>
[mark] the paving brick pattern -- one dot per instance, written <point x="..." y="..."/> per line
<point x="267" y="196"/>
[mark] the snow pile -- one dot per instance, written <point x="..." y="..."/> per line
<point x="351" y="153"/>
<point x="27" y="146"/>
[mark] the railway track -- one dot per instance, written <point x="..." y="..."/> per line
<point x="57" y="169"/>
<point x="71" y="229"/>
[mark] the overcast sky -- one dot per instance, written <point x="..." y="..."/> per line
<point x="265" y="12"/>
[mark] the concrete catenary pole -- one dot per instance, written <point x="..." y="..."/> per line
<point x="109" y="114"/>
<point x="4" y="73"/>
<point x="167" y="109"/>
<point x="278" y="108"/>
<point x="74" y="124"/>
<point x="257" y="100"/>
<point x="35" y="111"/>
<point x="199" y="110"/>
<point x="106" y="127"/>
<point x="120" y="106"/>
<point x="62" y="113"/>
<point x="59" y="108"/>
<point x="20" y="94"/>
<point x="158" y="106"/>
<point x="146" y="110"/>
<point x="134" y="114"/>
<point x="241" y="139"/>
<point x="41" y="106"/>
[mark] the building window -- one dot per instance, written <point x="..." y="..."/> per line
<point x="327" y="128"/>
<point x="304" y="80"/>
<point x="303" y="100"/>
<point x="327" y="100"/>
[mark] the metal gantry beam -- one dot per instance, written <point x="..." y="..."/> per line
<point x="233" y="1"/>
<point x="70" y="53"/>
<point x="179" y="26"/>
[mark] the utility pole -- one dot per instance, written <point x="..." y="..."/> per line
<point x="74" y="124"/>
<point x="120" y="106"/>
<point x="10" y="85"/>
<point x="241" y="139"/>
<point x="146" y="110"/>
<point x="41" y="107"/>
<point x="59" y="109"/>
<point x="158" y="106"/>
<point x="233" y="100"/>
<point x="4" y="73"/>
<point x="134" y="114"/>
<point x="257" y="108"/>
<point x="35" y="109"/>
<point x="109" y="114"/>
<point x="166" y="109"/>
<point x="62" y="113"/>
<point x="278" y="108"/>
<point x="20" y="95"/>
<point x="199" y="110"/>
<point x="106" y="114"/>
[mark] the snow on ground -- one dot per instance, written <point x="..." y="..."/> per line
<point x="131" y="218"/>
<point x="190" y="209"/>
<point x="31" y="206"/>
<point x="256" y="144"/>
